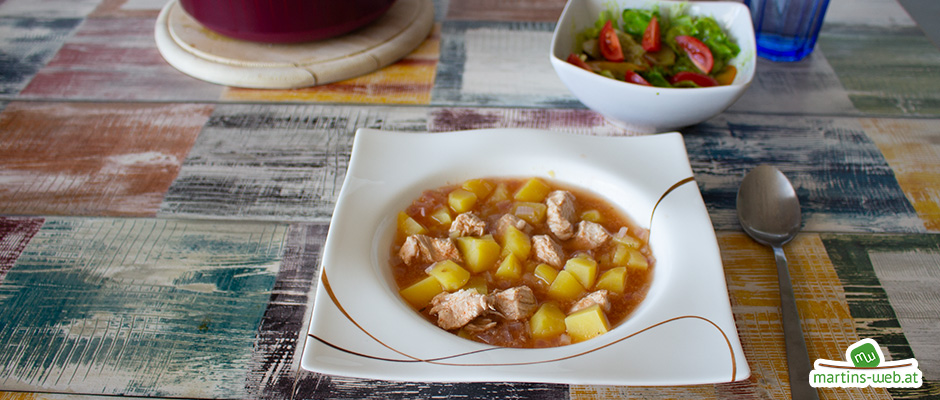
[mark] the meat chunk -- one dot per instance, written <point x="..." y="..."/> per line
<point x="479" y="325"/>
<point x="600" y="297"/>
<point x="590" y="235"/>
<point x="560" y="213"/>
<point x="425" y="249"/>
<point x="548" y="251"/>
<point x="468" y="224"/>
<point x="515" y="303"/>
<point x="457" y="309"/>
<point x="509" y="219"/>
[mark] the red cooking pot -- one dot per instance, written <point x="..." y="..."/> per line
<point x="285" y="21"/>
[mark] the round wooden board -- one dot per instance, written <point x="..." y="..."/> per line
<point x="199" y="52"/>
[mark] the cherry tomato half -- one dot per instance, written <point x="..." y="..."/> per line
<point x="699" y="79"/>
<point x="609" y="43"/>
<point x="633" y="77"/>
<point x="651" y="39"/>
<point x="578" y="62"/>
<point x="699" y="53"/>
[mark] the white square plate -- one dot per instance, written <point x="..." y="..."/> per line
<point x="682" y="333"/>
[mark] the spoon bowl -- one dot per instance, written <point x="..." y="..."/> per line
<point x="769" y="212"/>
<point x="768" y="208"/>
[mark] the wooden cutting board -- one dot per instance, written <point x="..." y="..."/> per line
<point x="199" y="52"/>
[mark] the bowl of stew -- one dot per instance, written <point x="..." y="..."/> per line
<point x="380" y="312"/>
<point x="655" y="66"/>
<point x="520" y="262"/>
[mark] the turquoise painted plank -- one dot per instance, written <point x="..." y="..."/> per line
<point x="137" y="306"/>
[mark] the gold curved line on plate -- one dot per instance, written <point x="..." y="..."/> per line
<point x="666" y="193"/>
<point x="347" y="351"/>
<point x="329" y="291"/>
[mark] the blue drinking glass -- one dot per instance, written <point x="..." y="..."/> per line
<point x="786" y="30"/>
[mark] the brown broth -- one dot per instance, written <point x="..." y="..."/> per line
<point x="515" y="333"/>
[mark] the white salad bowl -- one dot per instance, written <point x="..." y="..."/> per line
<point x="647" y="109"/>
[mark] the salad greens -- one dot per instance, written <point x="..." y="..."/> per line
<point x="665" y="48"/>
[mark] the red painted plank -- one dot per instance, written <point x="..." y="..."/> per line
<point x="93" y="159"/>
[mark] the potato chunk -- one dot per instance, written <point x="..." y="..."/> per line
<point x="613" y="280"/>
<point x="510" y="268"/>
<point x="442" y="216"/>
<point x="534" y="190"/>
<point x="450" y="275"/>
<point x="408" y="226"/>
<point x="627" y="240"/>
<point x="565" y="287"/>
<point x="546" y="273"/>
<point x="478" y="283"/>
<point x="533" y="213"/>
<point x="587" y="323"/>
<point x="547" y="322"/>
<point x="420" y="293"/>
<point x="480" y="187"/>
<point x="461" y="200"/>
<point x="629" y="257"/>
<point x="592" y="216"/>
<point x="479" y="254"/>
<point x="584" y="268"/>
<point x="516" y="242"/>
<point x="500" y="193"/>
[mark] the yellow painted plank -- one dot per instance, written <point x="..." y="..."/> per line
<point x="912" y="150"/>
<point x="827" y="324"/>
<point x="17" y="396"/>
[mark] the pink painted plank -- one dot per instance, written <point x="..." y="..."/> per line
<point x="116" y="59"/>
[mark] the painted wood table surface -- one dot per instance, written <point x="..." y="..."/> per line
<point x="160" y="236"/>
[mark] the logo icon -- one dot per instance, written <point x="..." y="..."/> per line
<point x="865" y="354"/>
<point x="865" y="366"/>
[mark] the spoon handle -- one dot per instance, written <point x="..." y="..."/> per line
<point x="797" y="356"/>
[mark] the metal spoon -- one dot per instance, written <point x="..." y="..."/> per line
<point x="769" y="212"/>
